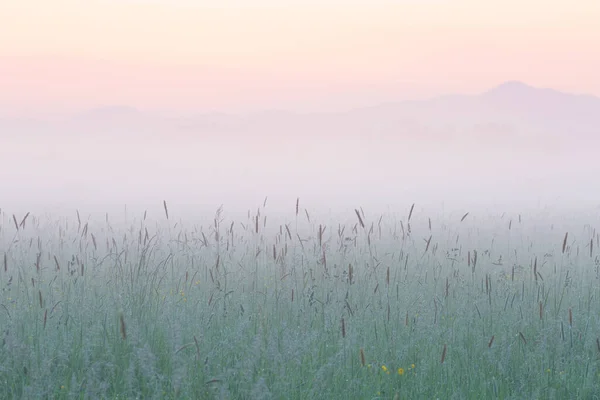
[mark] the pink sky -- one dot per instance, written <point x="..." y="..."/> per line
<point x="67" y="55"/>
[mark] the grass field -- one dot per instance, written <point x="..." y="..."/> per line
<point x="459" y="306"/>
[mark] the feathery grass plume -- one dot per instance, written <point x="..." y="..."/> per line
<point x="463" y="217"/>
<point x="40" y="298"/>
<point x="78" y="220"/>
<point x="45" y="317"/>
<point x="22" y="224"/>
<point x="428" y="242"/>
<point x="491" y="341"/>
<point x="541" y="311"/>
<point x="5" y="263"/>
<point x="197" y="348"/>
<point x="360" y="220"/>
<point x="343" y="328"/>
<point x="350" y="273"/>
<point x="410" y="213"/>
<point x="443" y="354"/>
<point x="166" y="209"/>
<point x="320" y="235"/>
<point x="15" y="221"/>
<point x="564" y="245"/>
<point x="448" y="287"/>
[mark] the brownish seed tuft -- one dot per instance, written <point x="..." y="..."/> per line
<point x="491" y="341"/>
<point x="444" y="354"/>
<point x="362" y="357"/>
<point x="570" y="318"/>
<point x="123" y="329"/>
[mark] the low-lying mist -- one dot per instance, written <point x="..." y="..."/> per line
<point x="100" y="171"/>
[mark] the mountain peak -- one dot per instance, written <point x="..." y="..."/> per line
<point x="511" y="87"/>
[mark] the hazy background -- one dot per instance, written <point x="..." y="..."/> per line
<point x="357" y="103"/>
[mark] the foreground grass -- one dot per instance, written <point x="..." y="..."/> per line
<point x="368" y="308"/>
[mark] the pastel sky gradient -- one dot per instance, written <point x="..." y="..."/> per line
<point x="66" y="55"/>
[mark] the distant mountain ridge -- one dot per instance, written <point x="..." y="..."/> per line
<point x="513" y="103"/>
<point x="509" y="107"/>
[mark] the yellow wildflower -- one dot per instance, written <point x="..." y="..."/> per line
<point x="400" y="371"/>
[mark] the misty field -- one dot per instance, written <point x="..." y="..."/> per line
<point x="402" y="305"/>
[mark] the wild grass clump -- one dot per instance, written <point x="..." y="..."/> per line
<point x="387" y="306"/>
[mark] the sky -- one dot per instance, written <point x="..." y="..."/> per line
<point x="63" y="56"/>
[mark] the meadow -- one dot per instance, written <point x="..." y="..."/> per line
<point x="402" y="305"/>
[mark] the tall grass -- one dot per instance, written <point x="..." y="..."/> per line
<point x="375" y="306"/>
